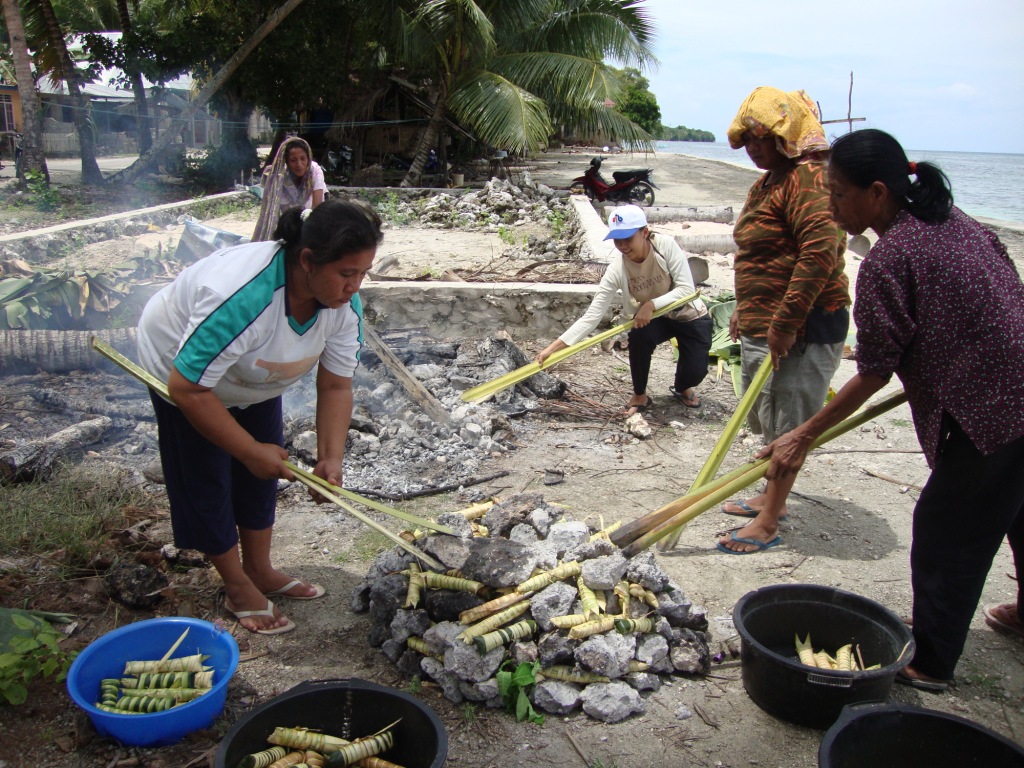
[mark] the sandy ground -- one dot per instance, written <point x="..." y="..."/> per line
<point x="847" y="528"/>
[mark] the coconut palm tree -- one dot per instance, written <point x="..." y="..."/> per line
<point x="504" y="68"/>
<point x="33" y="159"/>
<point x="58" y="62"/>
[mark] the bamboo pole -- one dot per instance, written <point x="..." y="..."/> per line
<point x="320" y="486"/>
<point x="717" y="455"/>
<point x="686" y="509"/>
<point x="482" y="392"/>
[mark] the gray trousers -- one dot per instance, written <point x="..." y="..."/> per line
<point x="796" y="391"/>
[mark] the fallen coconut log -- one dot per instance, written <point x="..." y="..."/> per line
<point x="35" y="459"/>
<point x="59" y="351"/>
<point x="721" y="214"/>
<point x="722" y="243"/>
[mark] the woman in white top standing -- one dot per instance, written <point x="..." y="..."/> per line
<point x="293" y="179"/>
<point x="229" y="336"/>
<point x="650" y="272"/>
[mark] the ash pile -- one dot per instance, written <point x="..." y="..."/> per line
<point x="395" y="449"/>
<point x="552" y="591"/>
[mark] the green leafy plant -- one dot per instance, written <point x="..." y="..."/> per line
<point x="557" y="221"/>
<point x="29" y="648"/>
<point x="45" y="197"/>
<point x="514" y="685"/>
<point x="506" y="235"/>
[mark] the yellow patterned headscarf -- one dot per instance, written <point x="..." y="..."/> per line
<point x="792" y="118"/>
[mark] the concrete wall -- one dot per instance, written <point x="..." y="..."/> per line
<point x="526" y="311"/>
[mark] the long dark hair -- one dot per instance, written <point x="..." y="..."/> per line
<point x="333" y="230"/>
<point x="869" y="155"/>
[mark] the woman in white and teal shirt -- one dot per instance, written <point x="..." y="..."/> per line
<point x="229" y="336"/>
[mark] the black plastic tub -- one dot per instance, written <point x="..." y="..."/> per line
<point x="768" y="620"/>
<point x="877" y="735"/>
<point x="348" y="709"/>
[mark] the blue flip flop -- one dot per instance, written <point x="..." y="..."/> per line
<point x="761" y="545"/>
<point x="748" y="511"/>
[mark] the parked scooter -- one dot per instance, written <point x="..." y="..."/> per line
<point x="635" y="186"/>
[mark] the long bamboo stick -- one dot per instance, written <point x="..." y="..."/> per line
<point x="321" y="487"/>
<point x="481" y="392"/>
<point x="339" y="491"/>
<point x="725" y="441"/>
<point x="686" y="509"/>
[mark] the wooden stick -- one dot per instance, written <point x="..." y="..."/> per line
<point x="430" y="404"/>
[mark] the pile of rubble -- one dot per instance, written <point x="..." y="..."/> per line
<point x="601" y="668"/>
<point x="501" y="203"/>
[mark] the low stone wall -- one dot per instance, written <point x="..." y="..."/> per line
<point x="39" y="245"/>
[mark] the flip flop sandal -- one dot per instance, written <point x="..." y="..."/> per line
<point x="933" y="686"/>
<point x="748" y="511"/>
<point x="268" y="612"/>
<point x="636" y="408"/>
<point x="761" y="545"/>
<point x="1003" y="618"/>
<point x="689" y="402"/>
<point x="283" y="591"/>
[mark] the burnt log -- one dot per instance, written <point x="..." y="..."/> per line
<point x="36" y="459"/>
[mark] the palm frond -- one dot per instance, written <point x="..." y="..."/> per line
<point x="596" y="29"/>
<point x="499" y="112"/>
<point x="558" y="77"/>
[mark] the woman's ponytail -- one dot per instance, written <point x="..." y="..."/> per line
<point x="870" y="155"/>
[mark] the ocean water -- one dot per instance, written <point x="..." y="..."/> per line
<point x="984" y="184"/>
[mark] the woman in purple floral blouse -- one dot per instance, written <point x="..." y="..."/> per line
<point x="940" y="304"/>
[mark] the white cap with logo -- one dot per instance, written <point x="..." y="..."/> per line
<point x="625" y="221"/>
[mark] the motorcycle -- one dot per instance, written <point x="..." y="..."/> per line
<point x="636" y="186"/>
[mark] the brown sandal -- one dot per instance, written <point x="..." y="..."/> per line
<point x="1003" y="618"/>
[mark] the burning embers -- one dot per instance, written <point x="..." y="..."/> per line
<point x="534" y="586"/>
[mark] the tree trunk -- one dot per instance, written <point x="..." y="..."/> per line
<point x="136" y="169"/>
<point x="138" y="88"/>
<point x="84" y="125"/>
<point x="34" y="460"/>
<point x="427" y="140"/>
<point x="60" y="351"/>
<point x="32" y="158"/>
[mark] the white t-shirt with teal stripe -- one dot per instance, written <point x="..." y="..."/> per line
<point x="222" y="324"/>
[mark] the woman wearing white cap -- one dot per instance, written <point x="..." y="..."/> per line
<point x="650" y="272"/>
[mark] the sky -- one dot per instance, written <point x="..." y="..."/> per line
<point x="938" y="75"/>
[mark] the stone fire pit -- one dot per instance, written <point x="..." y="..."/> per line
<point x="510" y="542"/>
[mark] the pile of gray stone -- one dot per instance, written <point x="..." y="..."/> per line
<point x="524" y="536"/>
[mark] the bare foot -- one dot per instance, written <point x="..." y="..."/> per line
<point x="762" y="528"/>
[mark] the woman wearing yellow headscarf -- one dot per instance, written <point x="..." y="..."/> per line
<point x="792" y="296"/>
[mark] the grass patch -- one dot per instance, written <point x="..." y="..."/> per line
<point x="900" y="423"/>
<point x="66" y="520"/>
<point x="367" y="546"/>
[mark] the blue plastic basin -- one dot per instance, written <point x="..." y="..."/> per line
<point x="149" y="640"/>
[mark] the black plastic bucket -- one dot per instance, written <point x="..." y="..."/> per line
<point x="768" y="619"/>
<point x="878" y="735"/>
<point x="348" y="709"/>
